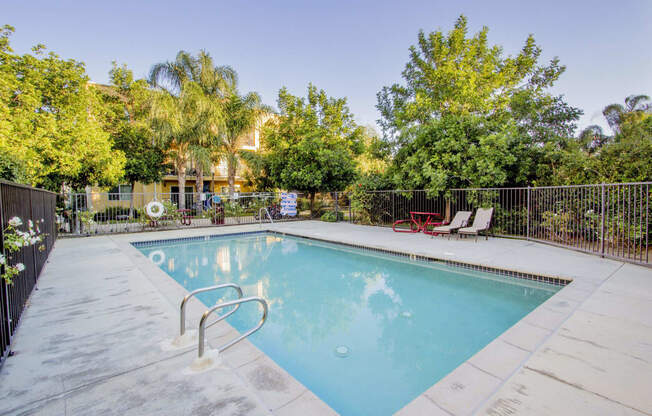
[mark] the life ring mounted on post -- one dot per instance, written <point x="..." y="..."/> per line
<point x="155" y="210"/>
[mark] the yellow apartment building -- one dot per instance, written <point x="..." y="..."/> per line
<point x="215" y="181"/>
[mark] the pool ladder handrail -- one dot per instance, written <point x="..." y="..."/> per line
<point x="182" y="314"/>
<point x="236" y="303"/>
<point x="260" y="216"/>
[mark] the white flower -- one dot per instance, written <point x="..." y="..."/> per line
<point x="31" y="224"/>
<point x="20" y="267"/>
<point x="34" y="240"/>
<point x="15" y="222"/>
<point x="18" y="244"/>
<point x="3" y="260"/>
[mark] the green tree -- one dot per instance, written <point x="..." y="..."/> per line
<point x="126" y="118"/>
<point x="312" y="145"/>
<point x="616" y="114"/>
<point x="375" y="157"/>
<point x="241" y="112"/>
<point x="469" y="116"/>
<point x="627" y="155"/>
<point x="49" y="130"/>
<point x="182" y="123"/>
<point x="206" y="131"/>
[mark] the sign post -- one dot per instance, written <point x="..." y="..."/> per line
<point x="289" y="204"/>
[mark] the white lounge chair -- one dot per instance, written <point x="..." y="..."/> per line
<point x="481" y="222"/>
<point x="461" y="219"/>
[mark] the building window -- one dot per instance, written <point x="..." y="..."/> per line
<point x="120" y="193"/>
<point x="250" y="139"/>
<point x="222" y="168"/>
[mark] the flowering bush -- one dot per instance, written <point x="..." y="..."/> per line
<point x="87" y="218"/>
<point x="15" y="240"/>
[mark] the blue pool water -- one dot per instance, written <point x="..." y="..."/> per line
<point x="401" y="325"/>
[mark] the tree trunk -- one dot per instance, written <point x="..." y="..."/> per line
<point x="131" y="202"/>
<point x="312" y="204"/>
<point x="199" y="184"/>
<point x="230" y="167"/>
<point x="181" y="179"/>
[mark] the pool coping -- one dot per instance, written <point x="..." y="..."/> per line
<point x="514" y="347"/>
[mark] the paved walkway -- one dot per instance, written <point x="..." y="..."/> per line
<point x="90" y="341"/>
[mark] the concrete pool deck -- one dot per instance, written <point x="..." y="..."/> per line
<point x="90" y="341"/>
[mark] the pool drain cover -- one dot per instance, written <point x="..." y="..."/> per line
<point x="342" y="351"/>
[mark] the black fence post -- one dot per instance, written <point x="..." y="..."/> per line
<point x="527" y="215"/>
<point x="602" y="213"/>
<point x="5" y="320"/>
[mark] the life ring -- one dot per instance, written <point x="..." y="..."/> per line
<point x="155" y="210"/>
<point x="157" y="257"/>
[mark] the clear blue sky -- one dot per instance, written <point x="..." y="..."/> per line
<point x="348" y="48"/>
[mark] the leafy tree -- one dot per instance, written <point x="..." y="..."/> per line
<point x="12" y="169"/>
<point x="211" y="85"/>
<point x="375" y="157"/>
<point x="242" y="112"/>
<point x="468" y="116"/>
<point x="257" y="173"/>
<point x="126" y="118"/>
<point x="592" y="139"/>
<point x="182" y="124"/>
<point x="312" y="145"/>
<point x="49" y="130"/>
<point x="617" y="113"/>
<point x="627" y="155"/>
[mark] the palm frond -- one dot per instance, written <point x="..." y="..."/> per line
<point x="613" y="113"/>
<point x="637" y="103"/>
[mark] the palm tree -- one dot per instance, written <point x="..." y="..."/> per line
<point x="184" y="123"/>
<point x="615" y="113"/>
<point x="592" y="138"/>
<point x="215" y="83"/>
<point x="241" y="112"/>
<point x="214" y="80"/>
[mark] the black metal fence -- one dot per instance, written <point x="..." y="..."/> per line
<point x="611" y="220"/>
<point x="28" y="204"/>
<point x="94" y="213"/>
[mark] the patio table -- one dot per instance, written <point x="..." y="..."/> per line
<point x="186" y="216"/>
<point x="417" y="222"/>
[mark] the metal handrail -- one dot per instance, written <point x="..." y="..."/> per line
<point x="204" y="318"/>
<point x="182" y="315"/>
<point x="260" y="217"/>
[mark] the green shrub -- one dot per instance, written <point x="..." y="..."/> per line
<point x="112" y="213"/>
<point x="331" y="217"/>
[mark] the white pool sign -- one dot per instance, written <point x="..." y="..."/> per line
<point x="288" y="204"/>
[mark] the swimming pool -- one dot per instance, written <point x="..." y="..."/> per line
<point x="366" y="332"/>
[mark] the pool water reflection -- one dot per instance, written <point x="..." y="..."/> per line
<point x="366" y="332"/>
